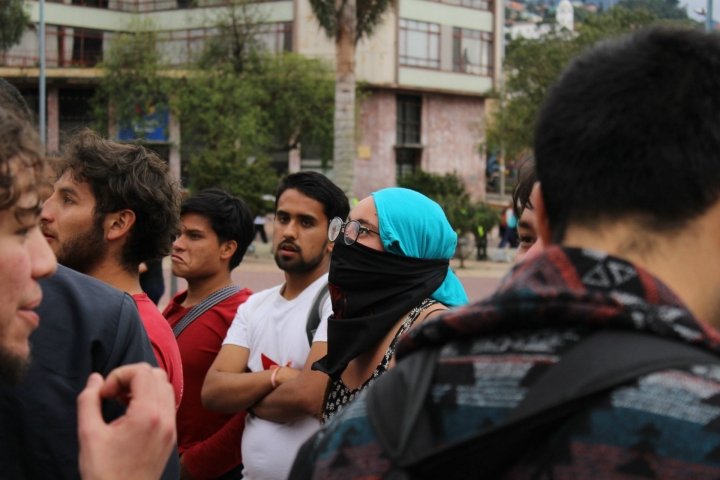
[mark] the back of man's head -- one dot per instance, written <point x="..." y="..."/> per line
<point x="128" y="176"/>
<point x="632" y="132"/>
<point x="229" y="217"/>
<point x="317" y="187"/>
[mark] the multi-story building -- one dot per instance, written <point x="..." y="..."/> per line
<point x="429" y="67"/>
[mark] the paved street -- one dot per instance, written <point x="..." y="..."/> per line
<point x="258" y="272"/>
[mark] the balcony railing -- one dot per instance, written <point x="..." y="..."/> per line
<point x="144" y="6"/>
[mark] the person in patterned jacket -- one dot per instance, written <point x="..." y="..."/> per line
<point x="626" y="151"/>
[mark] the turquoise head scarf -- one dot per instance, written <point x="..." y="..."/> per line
<point x="412" y="225"/>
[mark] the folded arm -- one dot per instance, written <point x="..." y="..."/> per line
<point x="229" y="387"/>
<point x="297" y="398"/>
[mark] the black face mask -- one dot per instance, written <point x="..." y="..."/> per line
<point x="370" y="291"/>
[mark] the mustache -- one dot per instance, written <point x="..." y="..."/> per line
<point x="291" y="243"/>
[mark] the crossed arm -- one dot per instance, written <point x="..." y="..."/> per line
<point x="230" y="387"/>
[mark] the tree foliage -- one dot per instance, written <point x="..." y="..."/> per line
<point x="533" y="66"/>
<point x="663" y="9"/>
<point x="134" y="84"/>
<point x="237" y="104"/>
<point x="13" y="20"/>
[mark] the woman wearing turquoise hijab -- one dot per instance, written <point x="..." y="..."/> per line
<point x="389" y="271"/>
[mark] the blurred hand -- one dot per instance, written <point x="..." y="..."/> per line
<point x="137" y="445"/>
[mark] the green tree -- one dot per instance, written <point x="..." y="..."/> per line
<point x="13" y="18"/>
<point x="224" y="132"/>
<point x="664" y="9"/>
<point x="134" y="83"/>
<point x="532" y="67"/>
<point x="346" y="21"/>
<point x="297" y="100"/>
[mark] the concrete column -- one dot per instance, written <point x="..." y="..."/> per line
<point x="294" y="160"/>
<point x="174" y="146"/>
<point x="53" y="119"/>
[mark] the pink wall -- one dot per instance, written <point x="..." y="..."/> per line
<point x="452" y="131"/>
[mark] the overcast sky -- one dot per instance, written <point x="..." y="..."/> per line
<point x="693" y="4"/>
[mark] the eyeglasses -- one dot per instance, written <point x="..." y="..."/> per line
<point x="352" y="230"/>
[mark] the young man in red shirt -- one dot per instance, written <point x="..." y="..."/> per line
<point x="215" y="231"/>
<point x="115" y="206"/>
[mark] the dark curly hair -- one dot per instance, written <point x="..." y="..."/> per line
<point x="229" y="217"/>
<point x="18" y="142"/>
<point x="128" y="176"/>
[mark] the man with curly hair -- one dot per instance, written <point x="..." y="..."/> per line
<point x="115" y="206"/>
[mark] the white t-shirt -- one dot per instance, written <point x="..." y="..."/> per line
<point x="273" y="329"/>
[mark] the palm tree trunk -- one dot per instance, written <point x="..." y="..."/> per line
<point x="344" y="141"/>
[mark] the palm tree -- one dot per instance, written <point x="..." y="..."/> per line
<point x="347" y="21"/>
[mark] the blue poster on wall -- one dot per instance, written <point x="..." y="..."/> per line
<point x="154" y="126"/>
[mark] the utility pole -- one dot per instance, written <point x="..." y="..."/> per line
<point x="42" y="101"/>
<point x="709" y="17"/>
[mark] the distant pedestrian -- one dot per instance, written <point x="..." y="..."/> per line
<point x="259" y="223"/>
<point x="510" y="234"/>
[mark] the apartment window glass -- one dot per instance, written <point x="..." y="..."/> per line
<point x="419" y="44"/>
<point x="409" y="109"/>
<point x="407" y="161"/>
<point x="472" y="51"/>
<point x="276" y="37"/>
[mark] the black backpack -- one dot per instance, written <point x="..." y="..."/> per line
<point x="315" y="313"/>
<point x="603" y="361"/>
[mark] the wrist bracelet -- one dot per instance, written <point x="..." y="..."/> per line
<point x="272" y="377"/>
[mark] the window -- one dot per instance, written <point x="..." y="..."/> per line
<point x="73" y="46"/>
<point x="276" y="37"/>
<point x="409" y="109"/>
<point x="419" y="44"/>
<point x="477" y="4"/>
<point x="407" y="161"/>
<point x="179" y="47"/>
<point x="472" y="51"/>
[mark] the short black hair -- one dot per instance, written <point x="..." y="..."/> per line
<point x="230" y="218"/>
<point x="128" y="176"/>
<point x="318" y="187"/>
<point x="632" y="131"/>
<point x="523" y="188"/>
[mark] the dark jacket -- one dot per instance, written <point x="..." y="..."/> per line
<point x="662" y="425"/>
<point x="85" y="326"/>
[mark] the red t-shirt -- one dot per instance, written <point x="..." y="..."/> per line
<point x="163" y="343"/>
<point x="209" y="441"/>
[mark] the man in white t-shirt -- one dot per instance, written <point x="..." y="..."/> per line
<point x="264" y="363"/>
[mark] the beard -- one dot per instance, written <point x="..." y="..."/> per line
<point x="299" y="264"/>
<point x="84" y="251"/>
<point x="12" y="366"/>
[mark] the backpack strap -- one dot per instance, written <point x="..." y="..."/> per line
<point x="206" y="304"/>
<point x="599" y="363"/>
<point x="315" y="313"/>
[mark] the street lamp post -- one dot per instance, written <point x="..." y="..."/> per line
<point x="41" y="109"/>
<point x="709" y="16"/>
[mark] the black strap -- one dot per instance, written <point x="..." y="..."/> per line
<point x="206" y="304"/>
<point x="590" y="369"/>
<point x="315" y="313"/>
